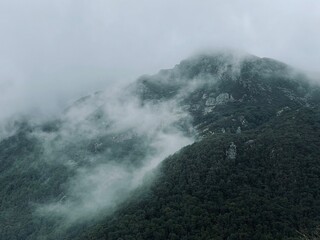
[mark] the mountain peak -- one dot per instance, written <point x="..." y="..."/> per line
<point x="239" y="109"/>
<point x="213" y="85"/>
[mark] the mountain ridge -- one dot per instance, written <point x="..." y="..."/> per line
<point x="222" y="102"/>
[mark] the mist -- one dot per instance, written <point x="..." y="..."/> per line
<point x="68" y="64"/>
<point x="53" y="52"/>
<point x="110" y="143"/>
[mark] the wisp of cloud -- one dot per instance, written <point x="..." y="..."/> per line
<point x="128" y="140"/>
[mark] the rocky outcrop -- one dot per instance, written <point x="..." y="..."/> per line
<point x="231" y="153"/>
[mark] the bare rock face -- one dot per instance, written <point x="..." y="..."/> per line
<point x="232" y="151"/>
<point x="282" y="110"/>
<point x="222" y="98"/>
<point x="212" y="102"/>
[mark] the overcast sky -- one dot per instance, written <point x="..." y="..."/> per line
<point x="52" y="51"/>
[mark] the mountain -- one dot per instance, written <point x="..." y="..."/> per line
<point x="260" y="184"/>
<point x="224" y="83"/>
<point x="97" y="172"/>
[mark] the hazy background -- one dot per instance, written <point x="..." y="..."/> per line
<point x="53" y="51"/>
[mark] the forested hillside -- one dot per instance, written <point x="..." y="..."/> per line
<point x="261" y="184"/>
<point x="110" y="167"/>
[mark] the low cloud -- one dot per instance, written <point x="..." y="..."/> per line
<point x="119" y="141"/>
<point x="52" y="52"/>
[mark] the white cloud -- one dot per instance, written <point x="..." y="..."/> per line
<point x="54" y="51"/>
<point x="102" y="180"/>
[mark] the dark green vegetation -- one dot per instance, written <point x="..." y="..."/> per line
<point x="253" y="172"/>
<point x="269" y="191"/>
<point x="24" y="181"/>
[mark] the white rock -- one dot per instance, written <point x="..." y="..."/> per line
<point x="210" y="101"/>
<point x="282" y="110"/>
<point x="208" y="110"/>
<point x="222" y="98"/>
<point x="232" y="151"/>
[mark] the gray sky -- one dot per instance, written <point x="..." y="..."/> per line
<point x="52" y="51"/>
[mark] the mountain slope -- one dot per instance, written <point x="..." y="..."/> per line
<point x="252" y="172"/>
<point x="255" y="174"/>
<point x="214" y="88"/>
<point x="267" y="189"/>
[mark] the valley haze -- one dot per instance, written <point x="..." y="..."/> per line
<point x="105" y="103"/>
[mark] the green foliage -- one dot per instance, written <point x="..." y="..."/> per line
<point x="270" y="191"/>
<point x="25" y="179"/>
